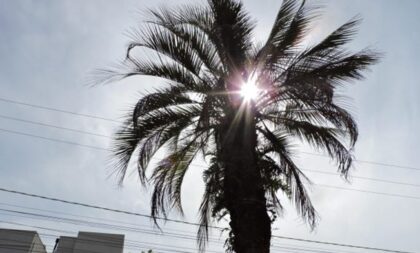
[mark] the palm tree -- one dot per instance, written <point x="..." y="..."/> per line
<point x="240" y="105"/>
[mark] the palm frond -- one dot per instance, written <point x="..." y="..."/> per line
<point x="313" y="82"/>
<point x="172" y="72"/>
<point x="288" y="33"/>
<point x="168" y="176"/>
<point x="199" y="41"/>
<point x="336" y="39"/>
<point x="293" y="175"/>
<point x="233" y="28"/>
<point x="340" y="66"/>
<point x="158" y="100"/>
<point x="324" y="115"/>
<point x="322" y="138"/>
<point x="273" y="180"/>
<point x="165" y="43"/>
<point x="213" y="180"/>
<point x="129" y="138"/>
<point x="341" y="119"/>
<point x="283" y="19"/>
<point x="281" y="24"/>
<point x="198" y="18"/>
<point x="125" y="144"/>
<point x="157" y="140"/>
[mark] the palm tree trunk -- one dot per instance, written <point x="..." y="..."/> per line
<point x="244" y="193"/>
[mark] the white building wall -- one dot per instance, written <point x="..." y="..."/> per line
<point x="37" y="245"/>
<point x="65" y="244"/>
<point x="20" y="241"/>
<point x="87" y="242"/>
<point x="98" y="242"/>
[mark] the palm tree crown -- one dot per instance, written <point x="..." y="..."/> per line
<point x="206" y="53"/>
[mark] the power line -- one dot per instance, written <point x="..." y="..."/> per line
<point x="307" y="249"/>
<point x="95" y="147"/>
<point x="293" y="249"/>
<point x="137" y="246"/>
<point x="105" y="149"/>
<point x="31" y="226"/>
<point x="53" y="126"/>
<point x="288" y="247"/>
<point x="82" y="216"/>
<point x="90" y="133"/>
<point x="6" y="100"/>
<point x="107" y="136"/>
<point x="273" y="246"/>
<point x="370" y="192"/>
<point x="183" y="234"/>
<point x="185" y="222"/>
<point x="339" y="244"/>
<point x="388" y="164"/>
<point x="358" y="177"/>
<point x="365" y="178"/>
<point x="370" y="162"/>
<point x="108" y="119"/>
<point x="110" y="241"/>
<point x="102" y="225"/>
<point x="112" y="227"/>
<point x="54" y="139"/>
<point x="95" y="206"/>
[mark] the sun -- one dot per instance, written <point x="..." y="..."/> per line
<point x="249" y="89"/>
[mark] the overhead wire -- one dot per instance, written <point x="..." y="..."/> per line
<point x="365" y="178"/>
<point x="139" y="246"/>
<point x="81" y="216"/>
<point x="52" y="126"/>
<point x="107" y="136"/>
<point x="99" y="148"/>
<point x="108" y="149"/>
<point x="96" y="218"/>
<point x="174" y="235"/>
<point x="49" y="108"/>
<point x="7" y="100"/>
<point x="195" y="224"/>
<point x="54" y="139"/>
<point x="134" y="243"/>
<point x="111" y="241"/>
<point x="368" y="191"/>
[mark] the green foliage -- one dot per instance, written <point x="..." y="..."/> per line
<point x="204" y="53"/>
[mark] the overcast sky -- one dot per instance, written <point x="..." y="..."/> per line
<point x="48" y="49"/>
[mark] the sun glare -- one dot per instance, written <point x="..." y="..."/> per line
<point x="249" y="89"/>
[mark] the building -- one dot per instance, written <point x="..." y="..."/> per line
<point x="87" y="242"/>
<point x="20" y="241"/>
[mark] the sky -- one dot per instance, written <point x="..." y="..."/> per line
<point x="48" y="50"/>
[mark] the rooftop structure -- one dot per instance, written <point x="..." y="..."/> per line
<point x="87" y="242"/>
<point x="20" y="241"/>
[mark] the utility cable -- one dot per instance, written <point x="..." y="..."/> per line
<point x="53" y="126"/>
<point x="108" y="149"/>
<point x="6" y="100"/>
<point x="190" y="223"/>
<point x="108" y="119"/>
